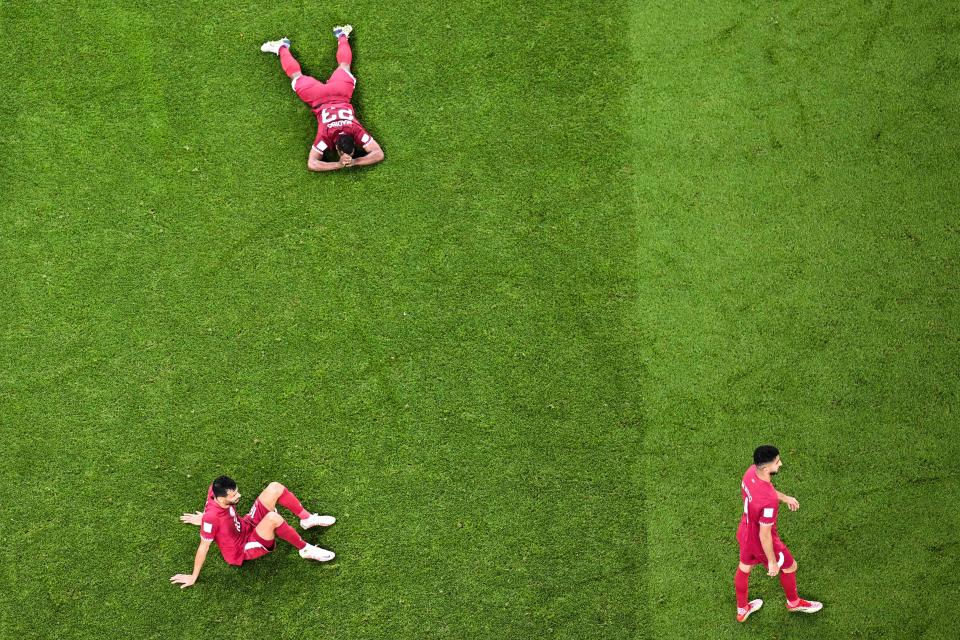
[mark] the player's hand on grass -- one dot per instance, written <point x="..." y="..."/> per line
<point x="346" y="160"/>
<point x="183" y="579"/>
<point x="791" y="502"/>
<point x="773" y="568"/>
<point x="194" y="518"/>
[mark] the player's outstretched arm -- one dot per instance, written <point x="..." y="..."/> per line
<point x="315" y="162"/>
<point x="185" y="580"/>
<point x="194" y="518"/>
<point x="374" y="155"/>
<point x="790" y="501"/>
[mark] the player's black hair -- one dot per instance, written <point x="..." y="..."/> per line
<point x="223" y="484"/>
<point x="346" y="143"/>
<point x="765" y="453"/>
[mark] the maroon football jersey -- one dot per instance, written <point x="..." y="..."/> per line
<point x="225" y="528"/>
<point x="334" y="118"/>
<point x="760" y="506"/>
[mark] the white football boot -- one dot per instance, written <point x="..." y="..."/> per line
<point x="317" y="520"/>
<point x="273" y="46"/>
<point x="752" y="606"/>
<point x="313" y="552"/>
<point x="345" y="30"/>
<point x="806" y="606"/>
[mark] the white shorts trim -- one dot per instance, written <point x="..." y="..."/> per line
<point x="351" y="76"/>
<point x="293" y="83"/>
<point x="257" y="545"/>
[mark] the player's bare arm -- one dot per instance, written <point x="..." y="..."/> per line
<point x="374" y="155"/>
<point x="186" y="580"/>
<point x="790" y="501"/>
<point x="766" y="542"/>
<point x="315" y="162"/>
<point x="194" y="518"/>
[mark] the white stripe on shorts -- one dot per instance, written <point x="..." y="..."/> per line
<point x="253" y="545"/>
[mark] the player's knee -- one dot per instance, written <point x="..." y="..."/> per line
<point x="746" y="567"/>
<point x="792" y="568"/>
<point x="274" y="518"/>
<point x="275" y="487"/>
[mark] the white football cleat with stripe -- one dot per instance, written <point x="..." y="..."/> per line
<point x="752" y="606"/>
<point x="806" y="606"/>
<point x="273" y="46"/>
<point x="313" y="552"/>
<point x="345" y="30"/>
<point x="317" y="520"/>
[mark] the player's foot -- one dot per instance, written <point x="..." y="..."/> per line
<point x="345" y="30"/>
<point x="317" y="520"/>
<point x="313" y="552"/>
<point x="273" y="46"/>
<point x="752" y="606"/>
<point x="805" y="606"/>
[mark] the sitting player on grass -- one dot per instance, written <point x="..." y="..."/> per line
<point x="337" y="128"/>
<point x="253" y="535"/>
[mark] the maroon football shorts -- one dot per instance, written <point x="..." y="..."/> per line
<point x="755" y="555"/>
<point x="254" y="545"/>
<point x="339" y="86"/>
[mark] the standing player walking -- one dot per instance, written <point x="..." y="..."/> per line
<point x="337" y="128"/>
<point x="757" y="535"/>
<point x="253" y="535"/>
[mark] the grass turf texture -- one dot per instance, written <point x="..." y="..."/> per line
<point x="524" y="373"/>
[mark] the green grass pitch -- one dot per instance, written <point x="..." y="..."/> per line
<point x="613" y="247"/>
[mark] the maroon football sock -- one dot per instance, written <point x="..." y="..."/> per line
<point x="344" y="53"/>
<point x="741" y="582"/>
<point x="289" y="501"/>
<point x="288" y="62"/>
<point x="789" y="583"/>
<point x="286" y="532"/>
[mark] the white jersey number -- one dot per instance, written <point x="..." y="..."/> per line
<point x="326" y="117"/>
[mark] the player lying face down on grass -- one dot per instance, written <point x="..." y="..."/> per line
<point x="253" y="535"/>
<point x="337" y="127"/>
<point x="758" y="538"/>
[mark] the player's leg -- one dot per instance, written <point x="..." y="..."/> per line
<point x="281" y="47"/>
<point x="741" y="584"/>
<point x="341" y="82"/>
<point x="273" y="526"/>
<point x="290" y="65"/>
<point x="788" y="580"/>
<point x="276" y="493"/>
<point x="344" y="53"/>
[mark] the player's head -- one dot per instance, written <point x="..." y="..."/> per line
<point x="767" y="458"/>
<point x="346" y="145"/>
<point x="224" y="487"/>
